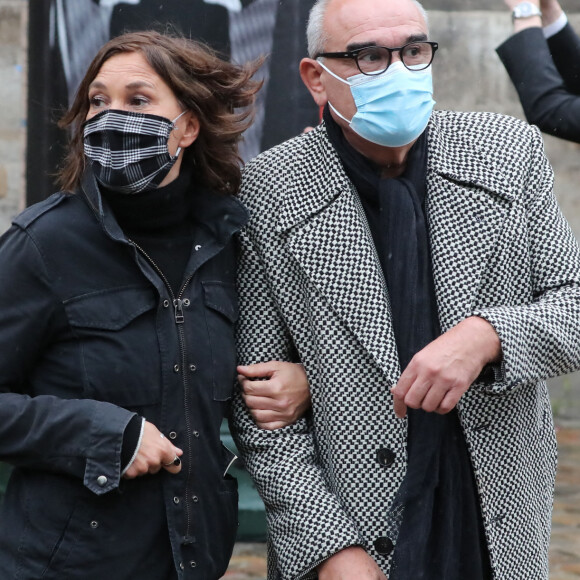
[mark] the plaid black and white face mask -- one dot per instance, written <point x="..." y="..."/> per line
<point x="128" y="151"/>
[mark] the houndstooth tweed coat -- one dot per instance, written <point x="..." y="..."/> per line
<point x="311" y="288"/>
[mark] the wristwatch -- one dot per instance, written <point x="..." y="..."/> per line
<point x="525" y="10"/>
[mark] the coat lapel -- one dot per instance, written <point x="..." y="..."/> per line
<point x="327" y="233"/>
<point x="466" y="205"/>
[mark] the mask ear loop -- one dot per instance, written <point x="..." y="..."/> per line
<point x="174" y="157"/>
<point x="331" y="73"/>
<point x="342" y="81"/>
<point x="177" y="118"/>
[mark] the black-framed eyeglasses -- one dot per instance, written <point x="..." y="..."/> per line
<point x="374" y="60"/>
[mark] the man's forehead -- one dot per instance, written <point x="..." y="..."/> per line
<point x="356" y="22"/>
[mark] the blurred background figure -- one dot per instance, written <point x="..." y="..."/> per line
<point x="542" y="58"/>
<point x="241" y="30"/>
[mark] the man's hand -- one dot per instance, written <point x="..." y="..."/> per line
<point x="281" y="398"/>
<point x="350" y="564"/>
<point x="155" y="452"/>
<point x="439" y="374"/>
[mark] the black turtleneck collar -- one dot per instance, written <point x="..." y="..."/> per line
<point x="155" y="211"/>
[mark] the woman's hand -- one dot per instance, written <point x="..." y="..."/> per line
<point x="155" y="452"/>
<point x="276" y="393"/>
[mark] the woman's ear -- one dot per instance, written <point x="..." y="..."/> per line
<point x="191" y="130"/>
<point x="310" y="72"/>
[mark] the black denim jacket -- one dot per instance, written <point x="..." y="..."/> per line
<point x="90" y="335"/>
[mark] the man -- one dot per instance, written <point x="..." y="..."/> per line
<point x="417" y="264"/>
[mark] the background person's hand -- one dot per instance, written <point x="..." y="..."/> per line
<point x="439" y="374"/>
<point x="523" y="23"/>
<point x="551" y="11"/>
<point x="349" y="564"/>
<point x="276" y="393"/>
<point x="156" y="452"/>
<point x="512" y="3"/>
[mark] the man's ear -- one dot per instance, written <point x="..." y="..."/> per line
<point x="191" y="131"/>
<point x="310" y="72"/>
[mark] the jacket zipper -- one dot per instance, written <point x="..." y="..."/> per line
<point x="178" y="304"/>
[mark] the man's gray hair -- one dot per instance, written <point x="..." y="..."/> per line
<point x="315" y="33"/>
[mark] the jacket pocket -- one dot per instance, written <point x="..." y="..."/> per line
<point x="221" y="313"/>
<point x="118" y="345"/>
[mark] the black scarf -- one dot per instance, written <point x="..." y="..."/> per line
<point x="441" y="534"/>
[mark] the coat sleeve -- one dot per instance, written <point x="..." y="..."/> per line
<point x="78" y="437"/>
<point x="306" y="522"/>
<point x="546" y="100"/>
<point x="565" y="49"/>
<point x="541" y="339"/>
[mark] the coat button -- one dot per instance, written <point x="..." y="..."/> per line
<point x="172" y="435"/>
<point x="176" y="368"/>
<point x="383" y="545"/>
<point x="166" y="304"/>
<point x="94" y="524"/>
<point x="192" y="564"/>
<point x="181" y="566"/>
<point x="102" y="481"/>
<point x="386" y="457"/>
<point x="192" y="368"/>
<point x="175" y="500"/>
<point x="186" y="302"/>
<point x="196" y="433"/>
<point x="194" y="498"/>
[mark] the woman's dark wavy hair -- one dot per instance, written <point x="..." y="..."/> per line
<point x="219" y="93"/>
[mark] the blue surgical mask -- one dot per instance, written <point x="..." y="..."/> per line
<point x="392" y="108"/>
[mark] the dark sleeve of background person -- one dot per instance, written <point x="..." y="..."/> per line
<point x="546" y="99"/>
<point x="565" y="49"/>
<point x="194" y="19"/>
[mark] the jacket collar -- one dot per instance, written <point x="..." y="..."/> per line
<point x="316" y="158"/>
<point x="222" y="215"/>
<point x="446" y="157"/>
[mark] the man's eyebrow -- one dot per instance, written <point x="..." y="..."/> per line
<point x="357" y="45"/>
<point x="412" y="38"/>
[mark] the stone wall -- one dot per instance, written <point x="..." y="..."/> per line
<point x="13" y="19"/>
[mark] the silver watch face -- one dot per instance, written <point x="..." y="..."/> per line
<point x="526" y="9"/>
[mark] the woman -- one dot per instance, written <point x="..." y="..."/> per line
<point x="117" y="307"/>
